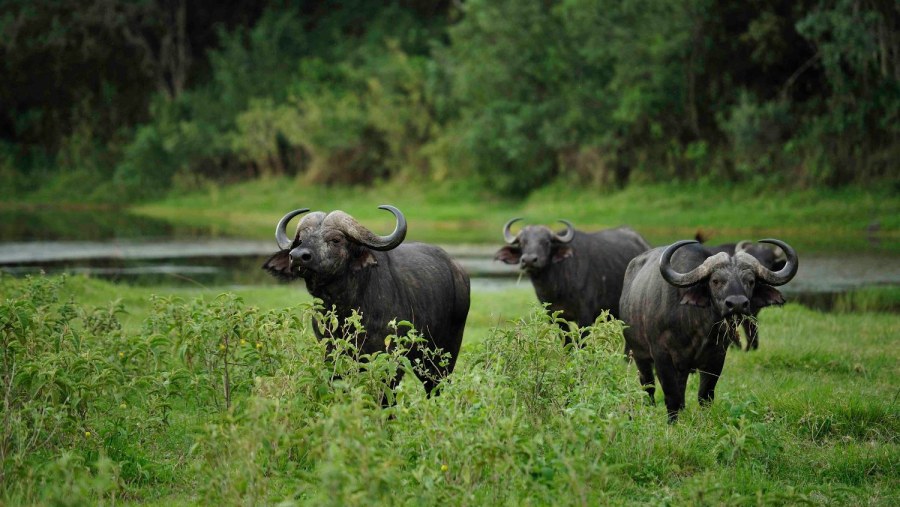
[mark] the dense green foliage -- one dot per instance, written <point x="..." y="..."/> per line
<point x="120" y="99"/>
<point x="214" y="400"/>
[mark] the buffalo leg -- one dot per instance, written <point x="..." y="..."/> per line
<point x="673" y="382"/>
<point x="752" y="332"/>
<point x="709" y="376"/>
<point x="648" y="382"/>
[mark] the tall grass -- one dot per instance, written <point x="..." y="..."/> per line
<point x="98" y="410"/>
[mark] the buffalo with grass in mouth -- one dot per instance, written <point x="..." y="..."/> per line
<point x="682" y="306"/>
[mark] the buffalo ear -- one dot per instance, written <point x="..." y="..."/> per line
<point x="766" y="295"/>
<point x="508" y="255"/>
<point x="364" y="260"/>
<point x="561" y="253"/>
<point x="279" y="266"/>
<point x="698" y="295"/>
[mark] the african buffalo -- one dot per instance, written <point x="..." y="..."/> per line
<point x="770" y="257"/>
<point x="681" y="307"/>
<point x="347" y="266"/>
<point x="575" y="272"/>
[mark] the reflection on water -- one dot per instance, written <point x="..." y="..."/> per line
<point x="223" y="263"/>
<point x="205" y="272"/>
<point x="116" y="246"/>
<point x="41" y="223"/>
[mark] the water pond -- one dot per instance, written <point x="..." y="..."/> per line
<point x="131" y="249"/>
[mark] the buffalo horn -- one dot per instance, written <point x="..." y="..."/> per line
<point x="780" y="256"/>
<point x="785" y="274"/>
<point x="695" y="275"/>
<point x="508" y="236"/>
<point x="568" y="236"/>
<point x="281" y="236"/>
<point x="743" y="245"/>
<point x="349" y="226"/>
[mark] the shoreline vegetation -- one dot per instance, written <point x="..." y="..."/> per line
<point x="849" y="219"/>
<point x="813" y="219"/>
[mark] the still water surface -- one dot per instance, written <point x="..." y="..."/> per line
<point x="126" y="248"/>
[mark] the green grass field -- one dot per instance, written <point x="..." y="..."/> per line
<point x="112" y="407"/>
<point x="816" y="219"/>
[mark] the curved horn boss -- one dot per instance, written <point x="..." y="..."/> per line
<point x="567" y="236"/>
<point x="691" y="277"/>
<point x="353" y="229"/>
<point x="507" y="235"/>
<point x="782" y="276"/>
<point x="281" y="237"/>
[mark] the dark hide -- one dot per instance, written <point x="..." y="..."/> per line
<point x="414" y="281"/>
<point x="580" y="278"/>
<point x="677" y="331"/>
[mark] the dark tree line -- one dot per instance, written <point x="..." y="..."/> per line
<point x="133" y="98"/>
<point x="97" y="64"/>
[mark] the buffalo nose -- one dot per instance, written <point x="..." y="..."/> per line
<point x="528" y="259"/>
<point x="303" y="255"/>
<point x="737" y="304"/>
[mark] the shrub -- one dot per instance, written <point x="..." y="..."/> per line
<point x="12" y="181"/>
<point x="161" y="149"/>
<point x="757" y="132"/>
<point x="221" y="346"/>
<point x="510" y="420"/>
<point x="66" y="388"/>
<point x="179" y="408"/>
<point x="267" y="136"/>
<point x="78" y="388"/>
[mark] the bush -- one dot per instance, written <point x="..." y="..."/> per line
<point x="507" y="64"/>
<point x="162" y="149"/>
<point x="510" y="420"/>
<point x="214" y="401"/>
<point x="343" y="146"/>
<point x="80" y="390"/>
<point x="66" y="390"/>
<point x="12" y="181"/>
<point x="756" y="134"/>
<point x="265" y="412"/>
<point x="270" y="138"/>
